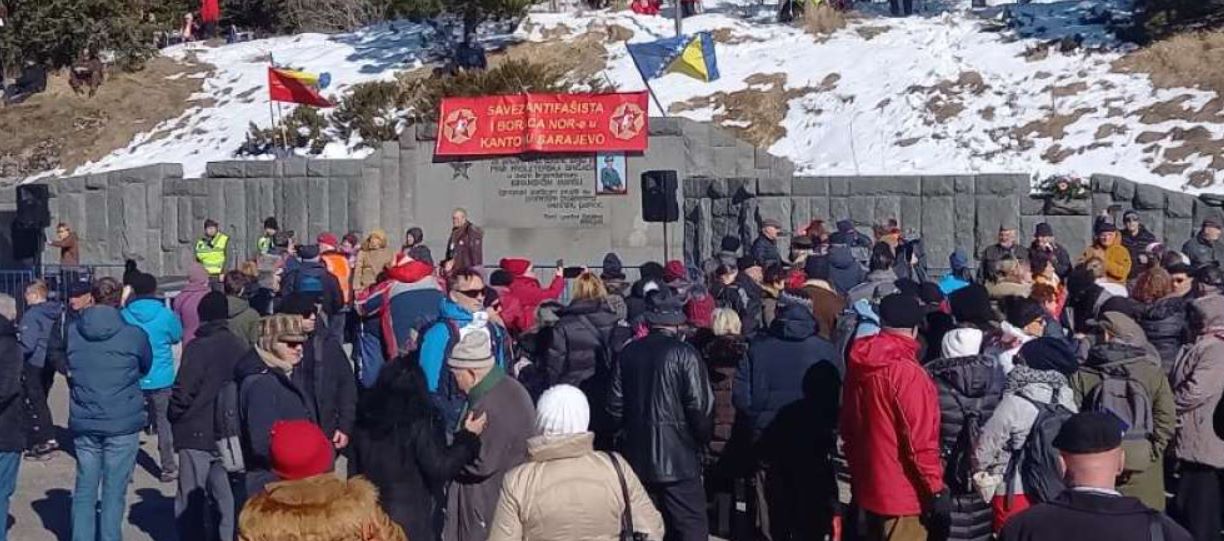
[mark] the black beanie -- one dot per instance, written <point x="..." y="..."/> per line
<point x="213" y="307"/>
<point x="652" y="270"/>
<point x="971" y="304"/>
<point x="500" y="278"/>
<point x="1021" y="311"/>
<point x="143" y="283"/>
<point x="1049" y="354"/>
<point x="270" y="223"/>
<point x="899" y="311"/>
<point x="613" y="269"/>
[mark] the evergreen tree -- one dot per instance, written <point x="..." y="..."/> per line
<point x="472" y="12"/>
<point x="55" y="33"/>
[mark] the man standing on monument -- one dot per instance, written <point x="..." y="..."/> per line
<point x="465" y="246"/>
<point x="210" y="249"/>
<point x="765" y="247"/>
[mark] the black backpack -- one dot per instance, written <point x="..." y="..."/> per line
<point x="1120" y="394"/>
<point x="959" y="461"/>
<point x="1037" y="460"/>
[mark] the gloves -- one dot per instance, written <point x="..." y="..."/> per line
<point x="938" y="518"/>
<point x="941" y="504"/>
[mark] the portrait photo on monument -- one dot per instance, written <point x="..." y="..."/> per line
<point x="610" y="174"/>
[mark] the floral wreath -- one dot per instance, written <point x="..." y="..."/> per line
<point x="1064" y="187"/>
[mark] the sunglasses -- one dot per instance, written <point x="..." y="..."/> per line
<point x="1130" y="220"/>
<point x="471" y="293"/>
<point x="1180" y="280"/>
<point x="294" y="345"/>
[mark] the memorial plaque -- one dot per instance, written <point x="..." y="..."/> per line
<point x="546" y="193"/>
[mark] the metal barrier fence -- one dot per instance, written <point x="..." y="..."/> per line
<point x="58" y="277"/>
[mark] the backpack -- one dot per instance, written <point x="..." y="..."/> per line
<point x="959" y="460"/>
<point x="227" y="426"/>
<point x="309" y="282"/>
<point x="1037" y="460"/>
<point x="1128" y="400"/>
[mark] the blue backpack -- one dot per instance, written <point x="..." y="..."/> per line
<point x="310" y="281"/>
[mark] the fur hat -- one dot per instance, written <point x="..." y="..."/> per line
<point x="280" y="328"/>
<point x="562" y="410"/>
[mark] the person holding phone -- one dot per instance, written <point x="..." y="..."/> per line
<point x="525" y="288"/>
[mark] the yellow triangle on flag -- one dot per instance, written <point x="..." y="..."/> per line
<point x="691" y="62"/>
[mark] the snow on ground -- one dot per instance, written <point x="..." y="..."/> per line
<point x="235" y="94"/>
<point x="947" y="92"/>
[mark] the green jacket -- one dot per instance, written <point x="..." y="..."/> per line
<point x="243" y="320"/>
<point x="1141" y="365"/>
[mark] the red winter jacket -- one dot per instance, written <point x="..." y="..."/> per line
<point x="890" y="426"/>
<point x="526" y="291"/>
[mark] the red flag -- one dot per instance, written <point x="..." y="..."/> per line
<point x="285" y="87"/>
<point x="210" y="12"/>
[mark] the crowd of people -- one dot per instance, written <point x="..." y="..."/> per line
<point x="833" y="386"/>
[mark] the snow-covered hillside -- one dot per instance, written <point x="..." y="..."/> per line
<point x="949" y="91"/>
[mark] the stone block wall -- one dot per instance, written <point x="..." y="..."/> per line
<point x="154" y="215"/>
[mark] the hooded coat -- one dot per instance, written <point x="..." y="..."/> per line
<point x="187" y="302"/>
<point x="878" y="284"/>
<point x="771" y="376"/>
<point x="1137" y="245"/>
<point x="1009" y="425"/>
<point x="1198" y="383"/>
<point x="407" y="300"/>
<point x="319" y="507"/>
<point x="266" y="395"/>
<point x="1164" y="323"/>
<point x="890" y="426"/>
<point x="208" y="363"/>
<point x="36" y="325"/>
<point x="107" y="358"/>
<point x="1124" y="357"/>
<point x="164" y="331"/>
<point x="242" y="320"/>
<point x="969" y="390"/>
<point x="527" y="292"/>
<point x="567" y="490"/>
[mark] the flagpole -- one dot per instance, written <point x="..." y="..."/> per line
<point x="646" y="81"/>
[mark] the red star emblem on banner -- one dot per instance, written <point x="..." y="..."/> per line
<point x="459" y="126"/>
<point x="627" y="121"/>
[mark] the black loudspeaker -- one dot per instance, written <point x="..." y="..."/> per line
<point x="659" y="196"/>
<point x="33" y="206"/>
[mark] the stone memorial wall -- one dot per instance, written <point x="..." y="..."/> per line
<point x="546" y="208"/>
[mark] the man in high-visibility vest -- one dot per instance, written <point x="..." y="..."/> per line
<point x="210" y="249"/>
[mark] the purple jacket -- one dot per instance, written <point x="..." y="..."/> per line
<point x="187" y="303"/>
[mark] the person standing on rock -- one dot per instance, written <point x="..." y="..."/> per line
<point x="211" y="249"/>
<point x="69" y="246"/>
<point x="465" y="247"/>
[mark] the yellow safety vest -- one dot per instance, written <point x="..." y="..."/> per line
<point x="212" y="255"/>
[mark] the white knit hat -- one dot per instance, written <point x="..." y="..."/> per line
<point x="562" y="410"/>
<point x="962" y="343"/>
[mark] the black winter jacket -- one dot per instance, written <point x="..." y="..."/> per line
<point x="410" y="465"/>
<point x="266" y="395"/>
<point x="966" y="384"/>
<point x="1164" y="323"/>
<point x="12" y="412"/>
<point x="1073" y="514"/>
<point x="577" y="339"/>
<point x="208" y="362"/>
<point x="1137" y="246"/>
<point x="327" y="374"/>
<point x="661" y="395"/>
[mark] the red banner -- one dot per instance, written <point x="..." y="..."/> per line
<point x="499" y="125"/>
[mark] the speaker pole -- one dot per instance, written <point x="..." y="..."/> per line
<point x="666" y="244"/>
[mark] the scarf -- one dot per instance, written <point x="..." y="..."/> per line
<point x="273" y="361"/>
<point x="1022" y="376"/>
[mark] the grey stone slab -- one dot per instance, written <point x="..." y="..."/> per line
<point x="1123" y="190"/>
<point x="72" y="185"/>
<point x="745" y="161"/>
<point x="966" y="219"/>
<point x="749" y="219"/>
<point x="153" y="197"/>
<point x="186" y="226"/>
<point x="1179" y="205"/>
<point x="196" y="186"/>
<point x="899" y="185"/>
<point x="318" y="213"/>
<point x="965" y="184"/>
<point x="1031" y="206"/>
<point x="723" y="208"/>
<point x="262" y="168"/>
<point x="699" y="161"/>
<point x="717" y="188"/>
<point x="1153" y="220"/>
<point x="664" y="126"/>
<point x="318" y="168"/>
<point x="839" y="208"/>
<point x="813" y="186"/>
<point x="910" y="217"/>
<point x="782" y="168"/>
<point x="1002" y="184"/>
<point x="293" y="167"/>
<point x="936" y="185"/>
<point x="96" y="231"/>
<point x="839" y="186"/>
<point x="1073" y="232"/>
<point x="389" y="208"/>
<point x="887" y="208"/>
<point x="407" y="140"/>
<point x="696" y="187"/>
<point x="338" y="203"/>
<point x="292" y="207"/>
<point x="1148" y="197"/>
<point x="347" y="168"/>
<point x="226" y="169"/>
<point x="216" y="204"/>
<point x="721" y="138"/>
<point x="725" y="160"/>
<point x="199" y="213"/>
<point x="862" y="210"/>
<point x="762" y="159"/>
<point x="371" y="198"/>
<point x="774" y="186"/>
<point x="135" y="220"/>
<point x="801" y="213"/>
<point x="1101" y="202"/>
<point x="1101" y="183"/>
<point x="820" y="209"/>
<point x="1178" y="230"/>
<point x="426" y="131"/>
<point x="938" y="229"/>
<point x="172" y="170"/>
<point x="96" y="181"/>
<point x="237" y="220"/>
<point x="116" y="242"/>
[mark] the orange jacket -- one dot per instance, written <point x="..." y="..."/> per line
<point x="337" y="264"/>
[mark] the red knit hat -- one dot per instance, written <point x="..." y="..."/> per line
<point x="674" y="270"/>
<point x="328" y="239"/>
<point x="515" y="266"/>
<point x="299" y="449"/>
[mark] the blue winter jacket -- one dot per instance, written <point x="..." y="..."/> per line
<point x="442" y="390"/>
<point x="35" y="329"/>
<point x="164" y="330"/>
<point x="106" y="359"/>
<point x="772" y="375"/>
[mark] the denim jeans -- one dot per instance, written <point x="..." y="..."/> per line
<point x="9" y="461"/>
<point x="158" y="404"/>
<point x="105" y="461"/>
